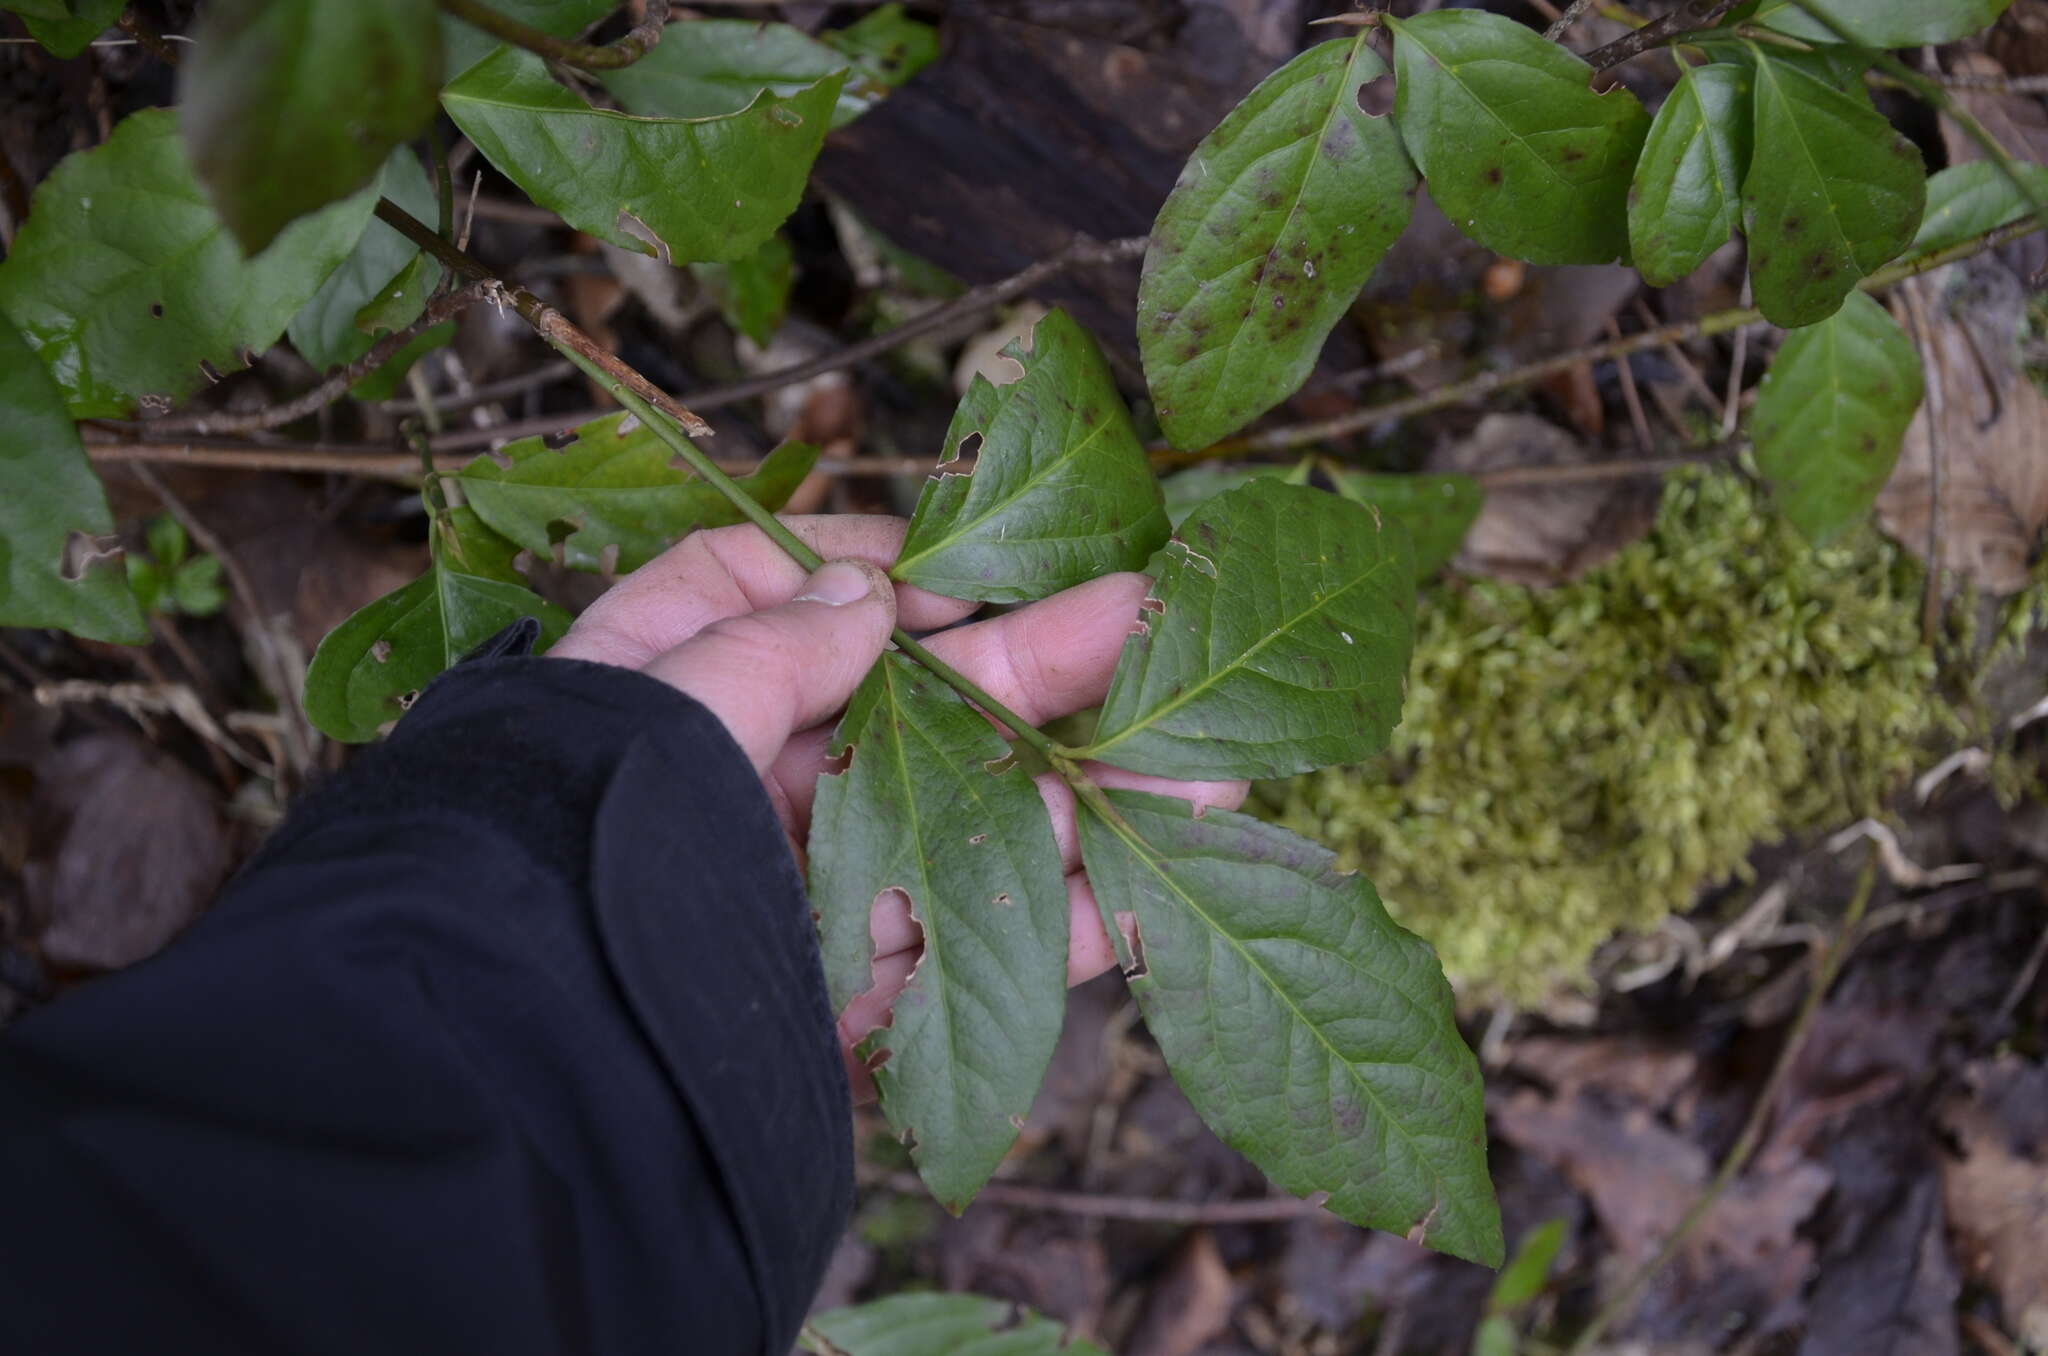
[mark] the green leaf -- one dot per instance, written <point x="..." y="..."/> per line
<point x="933" y="805"/>
<point x="1687" y="197"/>
<point x="289" y="105"/>
<point x="1523" y="1278"/>
<point x="324" y="331"/>
<point x="1883" y="23"/>
<point x="1280" y="216"/>
<point x="1061" y="491"/>
<point x="939" y="1325"/>
<point x="67" y="35"/>
<point x="369" y="668"/>
<point x="1831" y="415"/>
<point x="716" y="67"/>
<point x="167" y="541"/>
<point x="1276" y="641"/>
<point x="51" y="512"/>
<point x="1519" y="152"/>
<point x="383" y="383"/>
<point x="612" y="500"/>
<point x="1312" y="1033"/>
<point x="196" y="587"/>
<point x="401" y="300"/>
<point x="752" y="293"/>
<point x="1833" y="192"/>
<point x="1965" y="201"/>
<point x="1187" y="490"/>
<point x="1495" y="1336"/>
<point x="125" y="281"/>
<point x="146" y="582"/>
<point x="466" y="44"/>
<point x="1436" y="511"/>
<point x="682" y="189"/>
<point x="886" y="44"/>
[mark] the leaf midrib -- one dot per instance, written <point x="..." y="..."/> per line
<point x="1189" y="694"/>
<point x="1154" y="862"/>
<point x="1766" y="72"/>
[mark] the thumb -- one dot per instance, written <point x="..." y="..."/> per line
<point x="768" y="674"/>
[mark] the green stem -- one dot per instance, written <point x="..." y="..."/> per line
<point x="1753" y="1128"/>
<point x="627" y="50"/>
<point x="1933" y="94"/>
<point x="757" y="514"/>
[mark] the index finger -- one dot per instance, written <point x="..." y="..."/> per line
<point x="730" y="571"/>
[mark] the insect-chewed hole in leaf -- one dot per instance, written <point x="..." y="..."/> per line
<point x="381" y="652"/>
<point x="1134" y="944"/>
<point x="909" y="1138"/>
<point x="406" y="699"/>
<point x="641" y="231"/>
<point x="877" y="1059"/>
<point x="1003" y="899"/>
<point x="209" y="371"/>
<point x="996" y="767"/>
<point x="970" y="446"/>
<point x="627" y="427"/>
<point x="1421" y="1229"/>
<point x="608" y="560"/>
<point x="156" y="308"/>
<point x="499" y="458"/>
<point x="559" y="439"/>
<point x="976" y="840"/>
<point x="82" y="551"/>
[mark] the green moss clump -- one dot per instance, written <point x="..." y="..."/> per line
<point x="1582" y="760"/>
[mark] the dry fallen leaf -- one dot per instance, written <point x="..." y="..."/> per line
<point x="1997" y="1196"/>
<point x="1991" y="430"/>
<point x="1190" y="1306"/>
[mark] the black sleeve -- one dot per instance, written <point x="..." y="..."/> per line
<point x="513" y="1039"/>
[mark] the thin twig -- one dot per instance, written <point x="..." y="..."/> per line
<point x="1088" y="1205"/>
<point x="449" y="403"/>
<point x="2022" y="984"/>
<point x="1690" y="15"/>
<point x="1083" y="251"/>
<point x="327" y="392"/>
<point x="1738" y="360"/>
<point x="1753" y="1128"/>
<point x="1923" y="334"/>
<point x="1685" y="365"/>
<point x="549" y="323"/>
<point x="1565" y="20"/>
<point x="2024" y="85"/>
<point x="1629" y="395"/>
<point x="610" y="57"/>
<point x="1487" y="383"/>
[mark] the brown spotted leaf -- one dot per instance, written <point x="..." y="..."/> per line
<point x="1281" y="215"/>
<point x="1313" y="1034"/>
<point x="933" y="806"/>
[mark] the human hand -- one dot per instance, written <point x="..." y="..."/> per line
<point x="728" y="618"/>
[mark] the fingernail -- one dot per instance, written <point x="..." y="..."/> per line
<point x="836" y="584"/>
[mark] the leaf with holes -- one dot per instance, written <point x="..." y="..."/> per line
<point x="52" y="513"/>
<point x="1965" y="201"/>
<point x="1687" y="197"/>
<point x="1833" y="191"/>
<point x="1060" y="492"/>
<point x="327" y="89"/>
<point x="1519" y="152"/>
<point x="1188" y="490"/>
<point x="127" y="285"/>
<point x="720" y="66"/>
<point x="614" y="498"/>
<point x="934" y="805"/>
<point x="1436" y="511"/>
<point x="66" y="28"/>
<point x="1883" y="23"/>
<point x="1275" y="641"/>
<point x="752" y="293"/>
<point x="1832" y="413"/>
<point x="324" y="331"/>
<point x="1314" y="1035"/>
<point x="1280" y="216"/>
<point x="939" y="1325"/>
<point x="682" y="189"/>
<point x="369" y="668"/>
